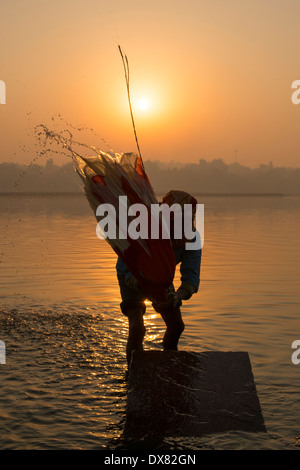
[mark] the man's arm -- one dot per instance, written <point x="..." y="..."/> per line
<point x="190" y="277"/>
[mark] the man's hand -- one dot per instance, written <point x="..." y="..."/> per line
<point x="132" y="282"/>
<point x="174" y="300"/>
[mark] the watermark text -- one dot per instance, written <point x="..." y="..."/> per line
<point x="160" y="221"/>
<point x="2" y="92"/>
<point x="296" y="94"/>
<point x="2" y="353"/>
<point x="296" y="354"/>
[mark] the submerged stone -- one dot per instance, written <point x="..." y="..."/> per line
<point x="180" y="393"/>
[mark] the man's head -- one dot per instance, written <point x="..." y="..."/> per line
<point x="181" y="198"/>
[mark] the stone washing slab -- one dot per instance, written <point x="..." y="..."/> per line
<point x="180" y="393"/>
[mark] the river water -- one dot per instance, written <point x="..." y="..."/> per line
<point x="63" y="385"/>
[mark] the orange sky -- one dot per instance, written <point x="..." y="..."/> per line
<point x="217" y="76"/>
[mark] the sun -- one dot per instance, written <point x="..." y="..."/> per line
<point x="143" y="104"/>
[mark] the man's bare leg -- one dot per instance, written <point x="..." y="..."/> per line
<point x="175" y="327"/>
<point x="136" y="333"/>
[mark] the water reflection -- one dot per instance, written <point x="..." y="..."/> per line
<point x="64" y="382"/>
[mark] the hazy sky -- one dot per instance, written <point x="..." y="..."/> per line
<point x="216" y="76"/>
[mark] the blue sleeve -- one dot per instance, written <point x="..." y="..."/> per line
<point x="190" y="270"/>
<point x="122" y="269"/>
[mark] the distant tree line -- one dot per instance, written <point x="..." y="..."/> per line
<point x="209" y="177"/>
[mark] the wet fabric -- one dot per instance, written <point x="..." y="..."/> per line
<point x="134" y="299"/>
<point x="107" y="177"/>
<point x="190" y="262"/>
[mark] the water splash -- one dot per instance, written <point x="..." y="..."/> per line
<point x="58" y="141"/>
